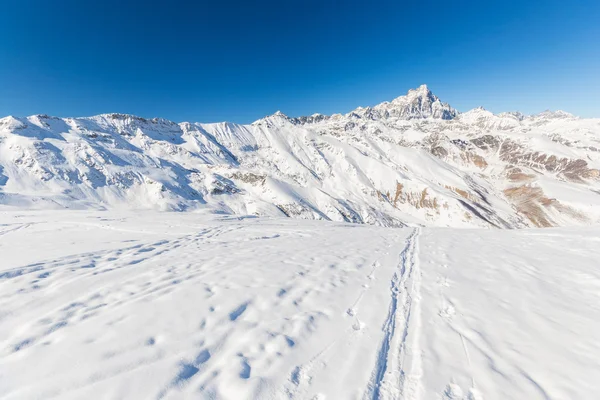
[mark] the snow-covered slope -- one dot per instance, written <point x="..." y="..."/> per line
<point x="414" y="159"/>
<point x="147" y="305"/>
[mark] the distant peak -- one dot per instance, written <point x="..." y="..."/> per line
<point x="129" y="119"/>
<point x="420" y="94"/>
<point x="480" y="110"/>
<point x="11" y="122"/>
<point x="512" y="114"/>
<point x="417" y="103"/>
<point x="554" y="114"/>
<point x="43" y="116"/>
<point x="278" y="118"/>
<point x="421" y="89"/>
<point x="276" y="114"/>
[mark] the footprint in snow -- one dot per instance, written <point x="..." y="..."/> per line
<point x="443" y="281"/>
<point x="452" y="392"/>
<point x="358" y="325"/>
<point x="447" y="311"/>
<point x="235" y="314"/>
<point x="246" y="369"/>
<point x="474" y="394"/>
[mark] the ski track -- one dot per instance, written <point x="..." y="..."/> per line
<point x="15" y="229"/>
<point x="300" y="383"/>
<point x="397" y="368"/>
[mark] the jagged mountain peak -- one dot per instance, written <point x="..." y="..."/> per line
<point x="420" y="94"/>
<point x="422" y="88"/>
<point x="42" y="116"/>
<point x="130" y="119"/>
<point x="422" y="91"/>
<point x="418" y="103"/>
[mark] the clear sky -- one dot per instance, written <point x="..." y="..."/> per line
<point x="238" y="61"/>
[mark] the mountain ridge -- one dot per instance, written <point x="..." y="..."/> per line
<point x="420" y="93"/>
<point x="414" y="159"/>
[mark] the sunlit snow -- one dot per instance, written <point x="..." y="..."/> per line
<point x="147" y="305"/>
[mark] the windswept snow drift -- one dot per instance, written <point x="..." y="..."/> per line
<point x="168" y="305"/>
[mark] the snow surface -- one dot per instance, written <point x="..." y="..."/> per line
<point x="148" y="305"/>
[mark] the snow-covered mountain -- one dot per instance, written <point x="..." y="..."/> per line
<point x="412" y="160"/>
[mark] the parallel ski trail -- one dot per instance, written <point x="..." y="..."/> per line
<point x="410" y="351"/>
<point x="397" y="368"/>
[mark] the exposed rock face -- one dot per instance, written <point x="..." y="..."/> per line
<point x="417" y="104"/>
<point x="537" y="207"/>
<point x="414" y="159"/>
<point x="514" y="153"/>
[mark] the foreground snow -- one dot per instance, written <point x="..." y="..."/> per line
<point x="163" y="305"/>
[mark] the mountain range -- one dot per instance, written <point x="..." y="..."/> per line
<point x="413" y="160"/>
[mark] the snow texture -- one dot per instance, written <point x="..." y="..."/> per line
<point x="147" y="305"/>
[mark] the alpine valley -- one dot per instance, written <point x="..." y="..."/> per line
<point x="104" y="296"/>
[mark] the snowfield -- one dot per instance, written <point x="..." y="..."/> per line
<point x="149" y="305"/>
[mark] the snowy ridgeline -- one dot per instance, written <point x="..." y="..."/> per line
<point x="412" y="160"/>
<point x="152" y="305"/>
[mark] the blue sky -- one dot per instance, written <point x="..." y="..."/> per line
<point x="238" y="61"/>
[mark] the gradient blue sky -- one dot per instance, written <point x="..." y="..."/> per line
<point x="238" y="61"/>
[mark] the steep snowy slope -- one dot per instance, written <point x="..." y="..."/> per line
<point x="146" y="305"/>
<point x="414" y="159"/>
